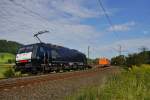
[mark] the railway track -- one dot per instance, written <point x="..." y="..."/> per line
<point x="7" y="84"/>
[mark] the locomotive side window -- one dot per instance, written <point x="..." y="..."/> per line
<point x="54" y="54"/>
<point x="41" y="50"/>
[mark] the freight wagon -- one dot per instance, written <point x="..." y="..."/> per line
<point x="103" y="62"/>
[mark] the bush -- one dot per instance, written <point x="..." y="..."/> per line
<point x="9" y="61"/>
<point x="119" y="60"/>
<point x="9" y="73"/>
<point x="132" y="59"/>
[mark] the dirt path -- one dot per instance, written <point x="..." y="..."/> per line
<point x="57" y="89"/>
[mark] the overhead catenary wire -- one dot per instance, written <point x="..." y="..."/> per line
<point x="107" y="16"/>
<point x="110" y="22"/>
<point x="35" y="13"/>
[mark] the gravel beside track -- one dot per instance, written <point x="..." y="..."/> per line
<point x="53" y="86"/>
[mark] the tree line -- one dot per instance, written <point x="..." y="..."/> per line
<point x="139" y="58"/>
<point x="9" y="46"/>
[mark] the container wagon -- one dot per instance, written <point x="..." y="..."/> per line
<point x="103" y="62"/>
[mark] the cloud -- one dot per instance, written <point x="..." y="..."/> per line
<point x="73" y="8"/>
<point x="122" y="27"/>
<point x="128" y="46"/>
<point x="145" y="32"/>
<point x="110" y="50"/>
<point x="20" y="19"/>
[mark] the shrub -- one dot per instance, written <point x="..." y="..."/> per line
<point x="9" y="73"/>
<point x="9" y="61"/>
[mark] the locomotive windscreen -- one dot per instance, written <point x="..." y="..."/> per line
<point x="25" y="49"/>
<point x="24" y="53"/>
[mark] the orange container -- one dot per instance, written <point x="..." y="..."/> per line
<point x="104" y="62"/>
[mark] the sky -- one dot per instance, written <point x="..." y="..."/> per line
<point x="77" y="24"/>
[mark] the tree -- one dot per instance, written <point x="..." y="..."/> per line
<point x="138" y="58"/>
<point x="118" y="60"/>
<point x="143" y="57"/>
<point x="9" y="46"/>
<point x="9" y="73"/>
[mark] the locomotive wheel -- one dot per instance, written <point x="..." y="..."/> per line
<point x="74" y="67"/>
<point x="23" y="71"/>
<point x="57" y="71"/>
<point x="67" y="70"/>
<point x="34" y="71"/>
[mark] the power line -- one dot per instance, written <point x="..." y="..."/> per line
<point x="106" y="15"/>
<point x="120" y="50"/>
<point x="35" y="13"/>
<point x="31" y="12"/>
<point x="111" y="24"/>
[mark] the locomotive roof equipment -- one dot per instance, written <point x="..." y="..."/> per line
<point x="39" y="33"/>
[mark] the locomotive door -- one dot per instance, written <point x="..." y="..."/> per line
<point x="43" y="55"/>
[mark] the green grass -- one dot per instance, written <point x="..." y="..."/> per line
<point x="4" y="66"/>
<point x="4" y="57"/>
<point x="133" y="84"/>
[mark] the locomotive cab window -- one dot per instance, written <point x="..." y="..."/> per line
<point x="25" y="49"/>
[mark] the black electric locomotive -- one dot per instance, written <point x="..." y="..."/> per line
<point x="42" y="57"/>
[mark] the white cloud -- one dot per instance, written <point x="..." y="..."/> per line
<point x="122" y="27"/>
<point x="129" y="46"/>
<point x="145" y="32"/>
<point x="73" y="8"/>
<point x="20" y="19"/>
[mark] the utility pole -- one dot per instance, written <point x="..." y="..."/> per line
<point x="120" y="50"/>
<point x="88" y="52"/>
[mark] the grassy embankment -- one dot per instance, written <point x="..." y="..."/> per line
<point x="133" y="84"/>
<point x="5" y="60"/>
